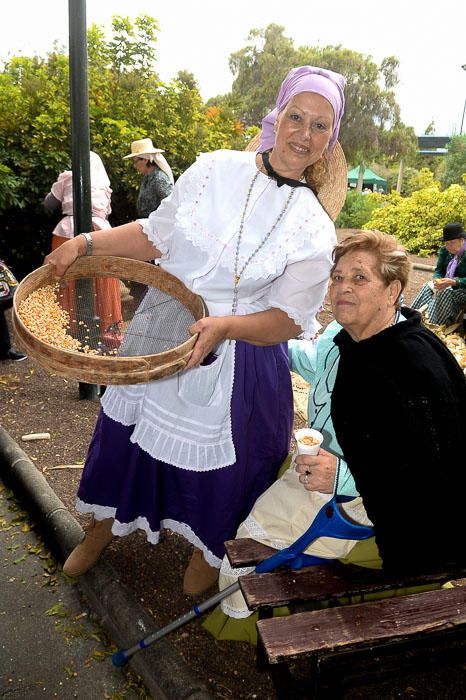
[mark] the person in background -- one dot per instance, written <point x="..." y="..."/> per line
<point x="157" y="177"/>
<point x="445" y="295"/>
<point x="6" y="351"/>
<point x="61" y="195"/>
<point x="107" y="290"/>
<point x="8" y="285"/>
<point x="250" y="233"/>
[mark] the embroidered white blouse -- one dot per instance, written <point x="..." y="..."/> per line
<point x="185" y="419"/>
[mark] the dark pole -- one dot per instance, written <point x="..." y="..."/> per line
<point x="80" y="138"/>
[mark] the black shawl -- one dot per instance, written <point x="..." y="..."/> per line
<point x="399" y="411"/>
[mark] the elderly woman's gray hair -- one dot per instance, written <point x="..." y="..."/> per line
<point x="392" y="258"/>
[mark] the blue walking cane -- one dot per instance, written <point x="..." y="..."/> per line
<point x="329" y="522"/>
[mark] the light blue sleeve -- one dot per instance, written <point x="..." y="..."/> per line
<point x="346" y="484"/>
<point x="302" y="356"/>
<point x="307" y="358"/>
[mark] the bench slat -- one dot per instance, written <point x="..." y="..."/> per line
<point x="363" y="625"/>
<point x="316" y="583"/>
<point x="247" y="552"/>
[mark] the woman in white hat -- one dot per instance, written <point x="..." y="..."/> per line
<point x="157" y="181"/>
<point x="253" y="234"/>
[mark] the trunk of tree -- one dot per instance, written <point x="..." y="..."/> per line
<point x="399" y="183"/>
<point x="362" y="169"/>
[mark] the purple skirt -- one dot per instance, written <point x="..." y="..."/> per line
<point x="122" y="481"/>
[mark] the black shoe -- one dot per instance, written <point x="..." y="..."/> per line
<point x="14" y="356"/>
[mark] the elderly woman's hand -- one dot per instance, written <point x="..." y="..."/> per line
<point x="317" y="472"/>
<point x="444" y="283"/>
<point x="212" y="331"/>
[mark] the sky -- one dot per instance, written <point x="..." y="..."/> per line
<point x="199" y="37"/>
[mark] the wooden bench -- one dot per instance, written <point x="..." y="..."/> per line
<point x="317" y="653"/>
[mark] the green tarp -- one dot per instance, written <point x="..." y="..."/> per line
<point x="370" y="179"/>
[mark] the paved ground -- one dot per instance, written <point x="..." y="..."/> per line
<point x="49" y="647"/>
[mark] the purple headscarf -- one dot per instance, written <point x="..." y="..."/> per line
<point x="306" y="79"/>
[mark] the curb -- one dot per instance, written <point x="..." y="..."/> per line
<point x="421" y="266"/>
<point x="164" y="673"/>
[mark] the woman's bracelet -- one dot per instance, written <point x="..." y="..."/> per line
<point x="89" y="243"/>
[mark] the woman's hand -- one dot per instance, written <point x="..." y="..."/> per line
<point x="212" y="331"/>
<point x="65" y="255"/>
<point x="444" y="282"/>
<point x="317" y="472"/>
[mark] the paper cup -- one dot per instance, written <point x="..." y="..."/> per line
<point x="304" y="449"/>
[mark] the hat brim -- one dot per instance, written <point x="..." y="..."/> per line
<point x="447" y="240"/>
<point x="144" y="153"/>
<point x="331" y="192"/>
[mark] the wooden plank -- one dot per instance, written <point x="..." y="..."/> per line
<point x="247" y="552"/>
<point x="364" y="625"/>
<point x="316" y="583"/>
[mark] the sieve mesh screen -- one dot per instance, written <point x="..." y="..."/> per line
<point x="107" y="316"/>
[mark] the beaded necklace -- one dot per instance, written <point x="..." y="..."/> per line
<point x="237" y="272"/>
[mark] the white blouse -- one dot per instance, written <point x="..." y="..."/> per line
<point x="196" y="229"/>
<point x="185" y="419"/>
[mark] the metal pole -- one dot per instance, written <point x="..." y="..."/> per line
<point x="80" y="138"/>
<point x="464" y="106"/>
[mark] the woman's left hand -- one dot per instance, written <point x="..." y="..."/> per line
<point x="317" y="472"/>
<point x="212" y="331"/>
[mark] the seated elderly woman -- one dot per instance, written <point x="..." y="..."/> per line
<point x="445" y="295"/>
<point x="390" y="397"/>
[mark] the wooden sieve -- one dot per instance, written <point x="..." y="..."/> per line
<point x="103" y="368"/>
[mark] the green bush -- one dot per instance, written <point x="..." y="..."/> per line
<point x="358" y="209"/>
<point x="417" y="221"/>
<point x="127" y="101"/>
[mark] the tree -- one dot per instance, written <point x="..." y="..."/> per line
<point x="127" y="101"/>
<point x="371" y="110"/>
<point x="259" y="69"/>
<point x="455" y="162"/>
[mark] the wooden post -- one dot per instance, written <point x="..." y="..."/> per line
<point x="362" y="169"/>
<point x="399" y="183"/>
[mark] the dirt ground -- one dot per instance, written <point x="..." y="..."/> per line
<point x="33" y="401"/>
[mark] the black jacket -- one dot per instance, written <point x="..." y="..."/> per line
<point x="399" y="411"/>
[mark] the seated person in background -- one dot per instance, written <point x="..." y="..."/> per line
<point x="390" y="397"/>
<point x="445" y="296"/>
